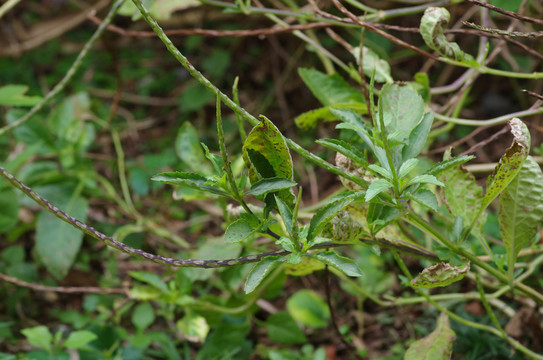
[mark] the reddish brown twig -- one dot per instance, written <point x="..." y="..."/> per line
<point x="507" y="12"/>
<point x="63" y="289"/>
<point x="486" y="141"/>
<point x="214" y="33"/>
<point x="534" y="94"/>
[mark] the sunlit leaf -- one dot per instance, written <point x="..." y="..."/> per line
<point x="14" y="95"/>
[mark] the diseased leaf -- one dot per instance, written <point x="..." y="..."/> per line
<point x="373" y="65"/>
<point x="238" y="231"/>
<point x="377" y="187"/>
<point x="509" y="164"/>
<point x="268" y="185"/>
<point x="266" y="155"/>
<point x="521" y="210"/>
<point x="341" y="263"/>
<point x="436" y="346"/>
<point x="431" y="29"/>
<point x="440" y="275"/>
<point x="330" y="89"/>
<point x="259" y="272"/>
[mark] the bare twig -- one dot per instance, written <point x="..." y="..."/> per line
<point x="507" y="12"/>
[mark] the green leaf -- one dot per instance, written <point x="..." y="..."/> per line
<point x="426" y="198"/>
<point x="509" y="164"/>
<point x="193" y="325"/>
<point x="373" y="65"/>
<point x="39" y="336"/>
<point x="189" y="150"/>
<point x="463" y="196"/>
<point x="330" y="89"/>
<point x="143" y="316"/>
<point x="346" y="149"/>
<point x="425" y="179"/>
<point x="266" y="155"/>
<point x="286" y="214"/>
<point x="327" y="213"/>
<point x="343" y="264"/>
<point x="238" y="231"/>
<point x="269" y="185"/>
<point x="14" y="95"/>
<point x="377" y="187"/>
<point x="381" y="171"/>
<point x="445" y="165"/>
<point x="521" y="210"/>
<point x="306" y="266"/>
<point x="259" y="272"/>
<point x="190" y="180"/>
<point x="403" y="109"/>
<point x="283" y="329"/>
<point x="440" y="275"/>
<point x="436" y="346"/>
<point x="9" y="203"/>
<point x="79" y="339"/>
<point x="407" y="167"/>
<point x="431" y="29"/>
<point x="57" y="242"/>
<point x="417" y="138"/>
<point x="152" y="279"/>
<point x="309" y="119"/>
<point x="308" y="308"/>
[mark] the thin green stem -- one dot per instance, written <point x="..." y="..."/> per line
<point x="122" y="174"/>
<point x="489" y="122"/>
<point x="69" y="74"/>
<point x="239" y="119"/>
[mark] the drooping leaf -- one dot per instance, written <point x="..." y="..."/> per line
<point x="330" y="89"/>
<point x="238" y="231"/>
<point x="308" y="308"/>
<point x="521" y="210"/>
<point x="14" y="95"/>
<point x="283" y="329"/>
<point x="436" y="346"/>
<point x="373" y="65"/>
<point x="341" y="263"/>
<point x="377" y="187"/>
<point x="509" y="164"/>
<point x="306" y="266"/>
<point x="57" y="242"/>
<point x="266" y="155"/>
<point x="431" y="29"/>
<point x="440" y="275"/>
<point x="259" y="272"/>
<point x="269" y="185"/>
